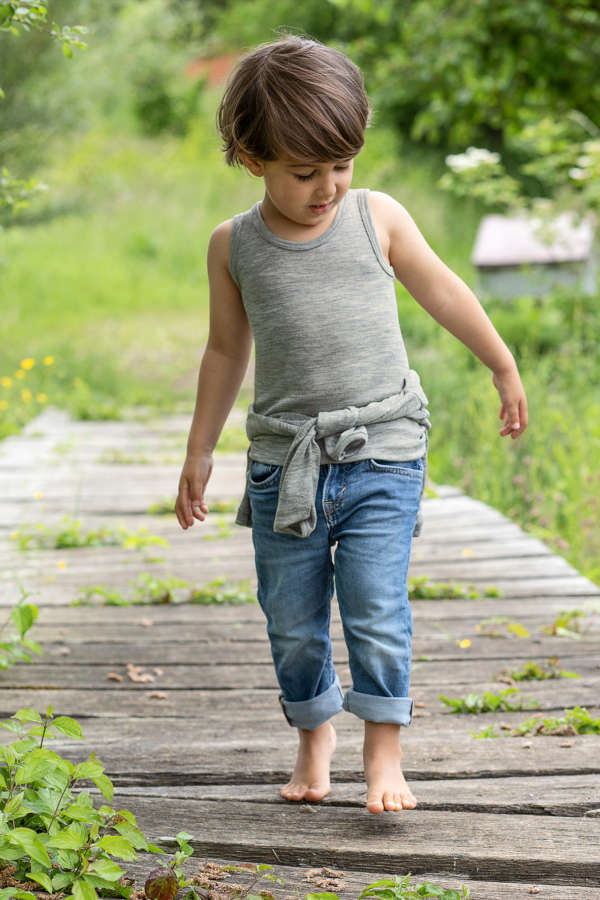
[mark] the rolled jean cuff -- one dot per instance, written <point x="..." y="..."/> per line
<point x="312" y="713"/>
<point x="397" y="710"/>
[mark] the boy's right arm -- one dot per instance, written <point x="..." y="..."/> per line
<point x="222" y="370"/>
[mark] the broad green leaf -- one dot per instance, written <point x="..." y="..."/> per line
<point x="104" y="785"/>
<point x="42" y="879"/>
<point x="28" y="715"/>
<point x="67" y="839"/>
<point x="12" y="894"/>
<point x="83" y="890"/>
<point x="87" y="770"/>
<point x="30" y="842"/>
<point x="69" y="53"/>
<point x="518" y="629"/>
<point x="106" y="868"/>
<point x="68" y="726"/>
<point x="62" y="879"/>
<point x="117" y="846"/>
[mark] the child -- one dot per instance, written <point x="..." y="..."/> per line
<point x="339" y="424"/>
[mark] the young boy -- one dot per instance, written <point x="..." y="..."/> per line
<point x="339" y="424"/>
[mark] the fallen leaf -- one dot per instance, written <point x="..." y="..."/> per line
<point x="158" y="671"/>
<point x="567" y="743"/>
<point x="146" y="622"/>
<point x="157" y="695"/>
<point x="419" y="705"/>
<point x="526" y="745"/>
<point x="114" y="676"/>
<point x="535" y="889"/>
<point x="64" y="650"/>
<point x="464" y="643"/>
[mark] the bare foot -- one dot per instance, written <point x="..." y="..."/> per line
<point x="310" y="778"/>
<point x="382" y="755"/>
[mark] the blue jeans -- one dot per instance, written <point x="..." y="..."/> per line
<point x="368" y="509"/>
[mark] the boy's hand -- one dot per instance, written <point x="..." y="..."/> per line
<point x="192" y="483"/>
<point x="514" y="403"/>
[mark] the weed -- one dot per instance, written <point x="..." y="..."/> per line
<point x="148" y="589"/>
<point x="574" y="721"/>
<point x="162" y="507"/>
<point x="566" y="624"/>
<point x="490" y="702"/>
<point x="399" y="888"/>
<point x="68" y="534"/>
<point x="223" y="530"/>
<point x="16" y="647"/>
<point x="114" y="456"/>
<point x="487" y="627"/>
<point x="532" y="671"/>
<point x="420" y="587"/>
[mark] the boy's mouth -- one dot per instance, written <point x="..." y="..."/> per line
<point x="322" y="207"/>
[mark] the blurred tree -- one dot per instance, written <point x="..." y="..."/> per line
<point x="448" y="73"/>
<point x="27" y="20"/>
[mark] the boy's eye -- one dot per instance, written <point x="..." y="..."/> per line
<point x="308" y="177"/>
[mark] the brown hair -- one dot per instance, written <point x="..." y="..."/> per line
<point x="294" y="96"/>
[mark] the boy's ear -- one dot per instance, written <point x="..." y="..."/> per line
<point x="255" y="166"/>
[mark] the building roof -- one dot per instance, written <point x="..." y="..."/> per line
<point x="514" y="240"/>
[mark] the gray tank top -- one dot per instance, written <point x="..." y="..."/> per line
<point x="325" y="324"/>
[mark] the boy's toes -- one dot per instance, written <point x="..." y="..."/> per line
<point x="374" y="802"/>
<point x="391" y="800"/>
<point x="408" y="800"/>
<point x="316" y="791"/>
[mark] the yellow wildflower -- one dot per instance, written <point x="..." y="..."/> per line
<point x="27" y="363"/>
<point x="466" y="552"/>
<point x="6" y="381"/>
<point x="3" y="404"/>
<point x="19" y="373"/>
<point x="464" y="643"/>
<point x="26" y="395"/>
<point x="48" y="360"/>
<point x="38" y="495"/>
<point x="61" y="564"/>
<point x="41" y="398"/>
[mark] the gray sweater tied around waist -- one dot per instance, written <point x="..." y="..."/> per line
<point x="344" y="433"/>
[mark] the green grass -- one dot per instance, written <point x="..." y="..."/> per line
<point x="108" y="276"/>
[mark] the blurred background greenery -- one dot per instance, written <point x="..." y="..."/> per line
<point x="103" y="281"/>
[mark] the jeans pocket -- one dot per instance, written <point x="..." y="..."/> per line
<point x="409" y="468"/>
<point x="263" y="475"/>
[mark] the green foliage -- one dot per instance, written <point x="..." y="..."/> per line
<point x="68" y="534"/>
<point x="488" y="627"/>
<point x="150" y="589"/>
<point x="449" y="74"/>
<point x="399" y="888"/>
<point x="232" y="439"/>
<point x="532" y="671"/>
<point x="561" y="159"/>
<point x="566" y="624"/>
<point x="55" y="836"/>
<point x="490" y="702"/>
<point x="420" y="587"/>
<point x="14" y="646"/>
<point x="575" y="721"/>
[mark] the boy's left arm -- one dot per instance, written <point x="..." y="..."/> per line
<point x="453" y="304"/>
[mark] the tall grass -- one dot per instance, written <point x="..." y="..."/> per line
<point x="109" y="279"/>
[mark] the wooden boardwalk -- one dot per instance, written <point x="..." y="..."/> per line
<point x="204" y="747"/>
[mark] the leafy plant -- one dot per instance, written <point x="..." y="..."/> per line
<point x="420" y="587"/>
<point x="487" y="627"/>
<point x="400" y="888"/>
<point x="490" y="702"/>
<point x="149" y="589"/>
<point x="223" y="530"/>
<point x="54" y="839"/>
<point x="232" y="439"/>
<point x="566" y="624"/>
<point x="575" y="721"/>
<point x="532" y="671"/>
<point x="68" y="534"/>
<point x="15" y="647"/>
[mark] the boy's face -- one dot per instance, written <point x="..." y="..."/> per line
<point x="303" y="191"/>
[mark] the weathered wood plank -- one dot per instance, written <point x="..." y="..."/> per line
<point x="557" y="795"/>
<point x="427" y="680"/>
<point x="564" y="848"/>
<point x="352" y="883"/>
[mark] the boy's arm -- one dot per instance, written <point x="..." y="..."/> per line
<point x="453" y="304"/>
<point x="222" y="370"/>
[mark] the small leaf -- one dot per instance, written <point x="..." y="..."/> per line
<point x="69" y="53"/>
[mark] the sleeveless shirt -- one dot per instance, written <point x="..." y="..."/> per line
<point x="327" y="338"/>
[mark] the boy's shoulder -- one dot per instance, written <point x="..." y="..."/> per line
<point x="220" y="241"/>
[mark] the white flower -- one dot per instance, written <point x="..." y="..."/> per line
<point x="471" y="158"/>
<point x="577" y="174"/>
